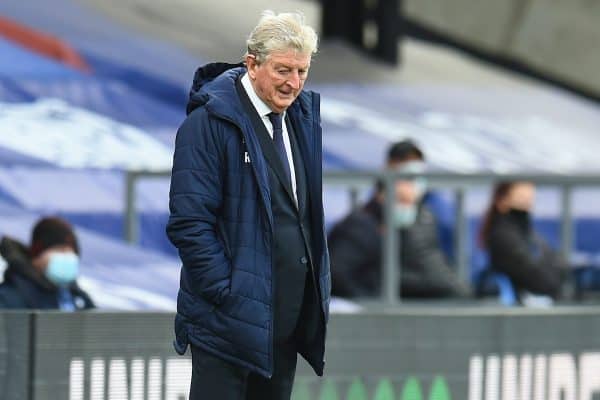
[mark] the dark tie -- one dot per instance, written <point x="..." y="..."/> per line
<point x="276" y="120"/>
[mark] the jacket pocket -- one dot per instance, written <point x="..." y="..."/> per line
<point x="224" y="240"/>
<point x="192" y="307"/>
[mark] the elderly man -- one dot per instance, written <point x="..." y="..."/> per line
<point x="247" y="219"/>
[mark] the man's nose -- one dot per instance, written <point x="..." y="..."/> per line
<point x="294" y="80"/>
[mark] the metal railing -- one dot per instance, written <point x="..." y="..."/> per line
<point x="460" y="183"/>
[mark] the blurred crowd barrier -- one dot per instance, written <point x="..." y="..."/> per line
<point x="467" y="256"/>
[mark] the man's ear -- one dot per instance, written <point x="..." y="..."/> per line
<point x="251" y="65"/>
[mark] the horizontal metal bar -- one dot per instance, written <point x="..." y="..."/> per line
<point x="437" y="178"/>
<point x="454" y="179"/>
<point x="149" y="174"/>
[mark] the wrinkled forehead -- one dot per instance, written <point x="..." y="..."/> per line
<point x="290" y="58"/>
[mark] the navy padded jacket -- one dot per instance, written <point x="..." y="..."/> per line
<point x="222" y="224"/>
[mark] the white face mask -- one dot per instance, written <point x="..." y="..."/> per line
<point x="405" y="215"/>
<point x="420" y="187"/>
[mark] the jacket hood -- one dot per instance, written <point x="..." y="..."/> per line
<point x="209" y="79"/>
<point x="18" y="259"/>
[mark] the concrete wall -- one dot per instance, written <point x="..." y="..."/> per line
<point x="557" y="37"/>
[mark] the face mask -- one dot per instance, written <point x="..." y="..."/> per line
<point x="517" y="212"/>
<point x="404" y="215"/>
<point x="62" y="268"/>
<point x="420" y="187"/>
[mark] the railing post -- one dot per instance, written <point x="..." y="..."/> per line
<point x="391" y="268"/>
<point x="130" y="220"/>
<point x="353" y="191"/>
<point x="566" y="221"/>
<point x="460" y="236"/>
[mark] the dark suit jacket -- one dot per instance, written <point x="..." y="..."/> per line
<point x="292" y="240"/>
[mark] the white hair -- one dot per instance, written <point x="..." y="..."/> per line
<point x="281" y="32"/>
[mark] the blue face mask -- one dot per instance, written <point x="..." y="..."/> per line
<point x="62" y="268"/>
<point x="420" y="187"/>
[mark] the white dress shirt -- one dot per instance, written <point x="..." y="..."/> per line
<point x="264" y="111"/>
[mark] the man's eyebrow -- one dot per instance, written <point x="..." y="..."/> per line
<point x="278" y="65"/>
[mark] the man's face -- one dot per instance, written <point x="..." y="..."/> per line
<point x="406" y="190"/>
<point x="280" y="78"/>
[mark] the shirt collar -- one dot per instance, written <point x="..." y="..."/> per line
<point x="261" y="107"/>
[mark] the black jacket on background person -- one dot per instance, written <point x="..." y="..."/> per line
<point x="355" y="249"/>
<point x="518" y="252"/>
<point x="24" y="288"/>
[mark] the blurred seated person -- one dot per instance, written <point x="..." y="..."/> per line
<point x="514" y="248"/>
<point x="43" y="275"/>
<point x="355" y="243"/>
